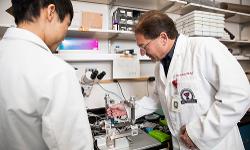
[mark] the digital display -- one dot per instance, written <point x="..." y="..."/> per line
<point x="78" y="44"/>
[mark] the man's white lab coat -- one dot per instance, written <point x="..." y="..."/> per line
<point x="210" y="97"/>
<point x="41" y="106"/>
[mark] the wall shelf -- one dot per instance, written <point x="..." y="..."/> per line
<point x="101" y="34"/>
<point x="241" y="57"/>
<point x="139" y="79"/>
<point x="177" y="7"/>
<point x="119" y="35"/>
<point x="82" y="56"/>
<point x="93" y="33"/>
<point x="95" y="1"/>
<point x="147" y="4"/>
<point x="230" y="16"/>
<point x="236" y="43"/>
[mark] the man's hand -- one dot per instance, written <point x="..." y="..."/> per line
<point x="186" y="139"/>
<point x="116" y="110"/>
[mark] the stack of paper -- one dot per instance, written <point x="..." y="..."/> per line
<point x="199" y="23"/>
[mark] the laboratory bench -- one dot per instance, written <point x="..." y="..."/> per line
<point x="142" y="141"/>
<point x="146" y="142"/>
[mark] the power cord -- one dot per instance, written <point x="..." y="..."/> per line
<point x="110" y="92"/>
<point x="147" y="88"/>
<point x="150" y="79"/>
<point x="120" y="88"/>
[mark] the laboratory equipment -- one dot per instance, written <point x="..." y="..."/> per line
<point x="89" y="79"/>
<point x="119" y="133"/>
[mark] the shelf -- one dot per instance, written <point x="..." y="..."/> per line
<point x="101" y="34"/>
<point x="173" y="5"/>
<point x="235" y="43"/>
<point x="95" y="1"/>
<point x="93" y="33"/>
<point x="151" y="4"/>
<point x="81" y="56"/>
<point x="76" y="56"/>
<point x="120" y="35"/>
<point x="240" y="57"/>
<point x="230" y="16"/>
<point x="139" y="79"/>
<point x="147" y="4"/>
<point x="177" y="7"/>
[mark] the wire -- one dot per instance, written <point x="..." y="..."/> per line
<point x="147" y="88"/>
<point x="121" y="90"/>
<point x="109" y="91"/>
<point x="90" y="114"/>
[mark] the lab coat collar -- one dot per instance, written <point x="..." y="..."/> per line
<point x="180" y="44"/>
<point x="179" y="48"/>
<point x="22" y="34"/>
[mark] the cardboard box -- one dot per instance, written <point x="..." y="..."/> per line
<point x="91" y="20"/>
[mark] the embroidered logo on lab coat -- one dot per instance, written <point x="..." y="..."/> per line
<point x="187" y="96"/>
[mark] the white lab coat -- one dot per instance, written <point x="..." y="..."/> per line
<point x="41" y="106"/>
<point x="205" y="68"/>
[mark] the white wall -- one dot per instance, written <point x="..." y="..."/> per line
<point x="137" y="89"/>
<point x="245" y="2"/>
<point x="6" y="19"/>
<point x="245" y="32"/>
<point x="129" y="88"/>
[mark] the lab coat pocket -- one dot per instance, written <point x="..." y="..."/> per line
<point x="190" y="99"/>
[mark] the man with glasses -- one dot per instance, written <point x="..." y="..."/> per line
<point x="201" y="87"/>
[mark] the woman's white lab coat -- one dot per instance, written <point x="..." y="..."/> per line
<point x="210" y="97"/>
<point x="41" y="105"/>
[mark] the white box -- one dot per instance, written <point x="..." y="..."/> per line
<point x="126" y="67"/>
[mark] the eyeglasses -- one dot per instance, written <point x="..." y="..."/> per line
<point x="144" y="47"/>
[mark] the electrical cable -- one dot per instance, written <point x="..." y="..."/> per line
<point x="94" y="115"/>
<point x="150" y="79"/>
<point x="121" y="90"/>
<point x="110" y="92"/>
<point x="147" y="88"/>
